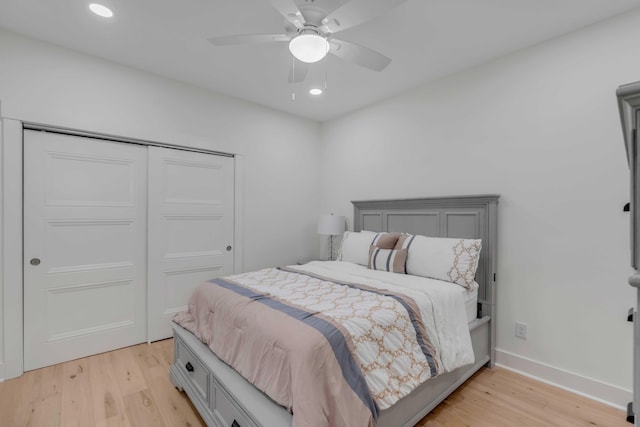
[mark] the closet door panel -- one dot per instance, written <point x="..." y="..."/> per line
<point x="190" y="229"/>
<point x="85" y="247"/>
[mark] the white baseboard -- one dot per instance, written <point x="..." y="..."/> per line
<point x="602" y="392"/>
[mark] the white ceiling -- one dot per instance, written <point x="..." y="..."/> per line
<point x="426" y="39"/>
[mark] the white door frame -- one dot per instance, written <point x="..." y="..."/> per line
<point x="12" y="247"/>
<point x="11" y="225"/>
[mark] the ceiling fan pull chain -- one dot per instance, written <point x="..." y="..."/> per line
<point x="326" y="73"/>
<point x="293" y="74"/>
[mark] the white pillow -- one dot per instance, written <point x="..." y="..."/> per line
<point x="355" y="247"/>
<point x="452" y="260"/>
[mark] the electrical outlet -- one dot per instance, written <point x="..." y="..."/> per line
<point x="521" y="330"/>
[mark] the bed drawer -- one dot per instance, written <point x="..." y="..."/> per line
<point x="226" y="410"/>
<point x="194" y="370"/>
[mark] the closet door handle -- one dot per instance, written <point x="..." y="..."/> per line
<point x="189" y="367"/>
<point x="35" y="261"/>
<point x="228" y="248"/>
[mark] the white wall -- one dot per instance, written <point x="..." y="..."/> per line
<point x="46" y="84"/>
<point x="539" y="127"/>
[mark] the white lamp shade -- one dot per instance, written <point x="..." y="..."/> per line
<point x="309" y="47"/>
<point x="330" y="224"/>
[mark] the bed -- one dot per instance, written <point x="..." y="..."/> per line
<point x="225" y="398"/>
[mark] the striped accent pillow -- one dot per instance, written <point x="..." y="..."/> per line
<point x="386" y="240"/>
<point x="392" y="260"/>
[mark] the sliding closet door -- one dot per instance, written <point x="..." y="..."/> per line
<point x="84" y="247"/>
<point x="190" y="229"/>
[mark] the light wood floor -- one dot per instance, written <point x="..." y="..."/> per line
<point x="131" y="387"/>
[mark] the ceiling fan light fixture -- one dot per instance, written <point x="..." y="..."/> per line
<point x="309" y="46"/>
<point x="101" y="10"/>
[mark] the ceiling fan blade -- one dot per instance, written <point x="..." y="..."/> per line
<point x="290" y="11"/>
<point x="359" y="55"/>
<point x="356" y="12"/>
<point x="298" y="72"/>
<point x="248" y="39"/>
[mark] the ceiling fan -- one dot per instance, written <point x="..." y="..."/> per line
<point x="309" y="30"/>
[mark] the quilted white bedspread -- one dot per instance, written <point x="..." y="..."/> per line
<point x="442" y="304"/>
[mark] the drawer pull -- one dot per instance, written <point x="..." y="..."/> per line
<point x="189" y="367"/>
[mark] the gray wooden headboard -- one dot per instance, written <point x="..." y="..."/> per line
<point x="471" y="217"/>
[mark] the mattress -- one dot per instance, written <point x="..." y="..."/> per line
<point x="471" y="302"/>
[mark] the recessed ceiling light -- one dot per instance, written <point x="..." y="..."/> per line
<point x="101" y="10"/>
<point x="315" y="91"/>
